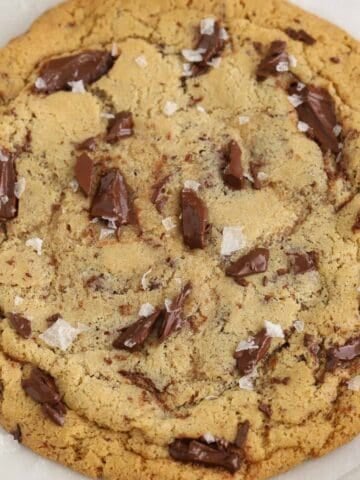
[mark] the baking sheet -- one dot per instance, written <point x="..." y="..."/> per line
<point x="16" y="462"/>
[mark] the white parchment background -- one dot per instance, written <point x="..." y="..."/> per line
<point x="16" y="462"/>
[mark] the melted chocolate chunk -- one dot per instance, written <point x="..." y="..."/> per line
<point x="84" y="173"/>
<point x="20" y="324"/>
<point x="173" y="318"/>
<point x="213" y="46"/>
<point x="122" y="126"/>
<point x="41" y="387"/>
<point x="233" y="172"/>
<point x="303" y="262"/>
<point x="265" y="409"/>
<point x="356" y="226"/>
<point x="112" y="200"/>
<point x="133" y="337"/>
<point x="87" y="66"/>
<point x="318" y="111"/>
<point x="242" y="434"/>
<point x="246" y="360"/>
<point x="346" y="353"/>
<point x="188" y="450"/>
<point x="256" y="261"/>
<point x="89" y="144"/>
<point x="158" y="197"/>
<point x="274" y="60"/>
<point x="194" y="219"/>
<point x="300" y="36"/>
<point x="8" y="200"/>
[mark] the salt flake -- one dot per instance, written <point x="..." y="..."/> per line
<point x="274" y="330"/>
<point x="215" y="62"/>
<point x="192" y="185"/>
<point x="248" y="344"/>
<point x="207" y="26"/>
<point x="18" y="300"/>
<point x="187" y="70"/>
<point x="299" y="326"/>
<point x="223" y="34"/>
<point x="74" y="185"/>
<point x="243" y="119"/>
<point x="146" y="310"/>
<point x="170" y="108"/>
<point x="247" y="382"/>
<point x="292" y="61"/>
<point x="354" y="384"/>
<point x="193" y="56"/>
<point x="168" y="223"/>
<point x="36" y="244"/>
<point x="303" y="127"/>
<point x="209" y="437"/>
<point x="114" y="50"/>
<point x="77" y="86"/>
<point x="200" y="109"/>
<point x="282" y="67"/>
<point x="337" y="130"/>
<point x="60" y="335"/>
<point x="40" y="83"/>
<point x="233" y="240"/>
<point x="3" y="157"/>
<point x="105" y="233"/>
<point x="144" y="281"/>
<point x="295" y="100"/>
<point x="141" y="61"/>
<point x="20" y="186"/>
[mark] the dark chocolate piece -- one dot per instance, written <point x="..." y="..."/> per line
<point x="173" y="318"/>
<point x="246" y="360"/>
<point x="233" y="172"/>
<point x="8" y="201"/>
<point x="20" y="324"/>
<point x="84" y="173"/>
<point x="194" y="219"/>
<point x="275" y="62"/>
<point x="122" y="126"/>
<point x="133" y="337"/>
<point x="256" y="261"/>
<point x="303" y="262"/>
<point x="300" y="35"/>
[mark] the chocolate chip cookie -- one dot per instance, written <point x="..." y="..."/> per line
<point x="180" y="228"/>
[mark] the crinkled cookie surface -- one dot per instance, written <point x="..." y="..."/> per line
<point x="180" y="222"/>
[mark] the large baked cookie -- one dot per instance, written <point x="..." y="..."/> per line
<point x="180" y="223"/>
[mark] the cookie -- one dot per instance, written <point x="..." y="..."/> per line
<point x="180" y="224"/>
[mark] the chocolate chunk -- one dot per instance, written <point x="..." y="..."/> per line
<point x="265" y="409"/>
<point x="41" y="387"/>
<point x="158" y="197"/>
<point x="335" y="60"/>
<point x="194" y="219"/>
<point x="233" y="172"/>
<point x="133" y="337"/>
<point x="303" y="262"/>
<point x="246" y="360"/>
<point x="20" y="324"/>
<point x="16" y="433"/>
<point x="256" y="261"/>
<point x="356" y="226"/>
<point x="317" y="109"/>
<point x="122" y="126"/>
<point x="56" y="413"/>
<point x="242" y="434"/>
<point x="300" y="36"/>
<point x="312" y="344"/>
<point x="84" y="173"/>
<point x="188" y="450"/>
<point x="173" y="318"/>
<point x="89" y="144"/>
<point x="212" y="47"/>
<point x="87" y="66"/>
<point x="275" y="62"/>
<point x="112" y="200"/>
<point x="8" y="200"/>
<point x="346" y="353"/>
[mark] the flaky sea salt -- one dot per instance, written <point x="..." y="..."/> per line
<point x="248" y="344"/>
<point x="77" y="86"/>
<point x="300" y="86"/>
<point x="207" y="26"/>
<point x="74" y="185"/>
<point x="105" y="233"/>
<point x="247" y="382"/>
<point x="129" y="343"/>
<point x="274" y="330"/>
<point x="170" y="108"/>
<point x="299" y="326"/>
<point x="36" y="244"/>
<point x="144" y="280"/>
<point x="262" y="176"/>
<point x="20" y="186"/>
<point x="3" y="157"/>
<point x="146" y="310"/>
<point x="337" y="130"/>
<point x="192" y="185"/>
<point x="293" y="61"/>
<point x="233" y="240"/>
<point x="243" y="119"/>
<point x="187" y="70"/>
<point x="168" y="223"/>
<point x="354" y="384"/>
<point x="114" y="50"/>
<point x="200" y="109"/>
<point x="18" y="300"/>
<point x="223" y="34"/>
<point x="209" y="437"/>
<point x="215" y="62"/>
<point x="141" y="61"/>
<point x="60" y="335"/>
<point x="168" y="304"/>
<point x="193" y="56"/>
<point x="40" y="83"/>
<point x="107" y="115"/>
<point x="302" y="127"/>
<point x="295" y="100"/>
<point x="282" y="67"/>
